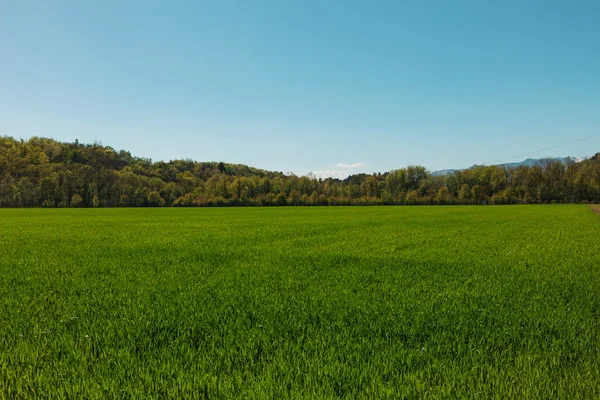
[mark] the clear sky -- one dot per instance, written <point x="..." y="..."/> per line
<point x="299" y="86"/>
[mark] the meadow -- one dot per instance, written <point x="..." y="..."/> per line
<point x="313" y="302"/>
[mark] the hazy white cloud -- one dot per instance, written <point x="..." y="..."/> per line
<point x="331" y="173"/>
<point x="340" y="171"/>
<point x="355" y="165"/>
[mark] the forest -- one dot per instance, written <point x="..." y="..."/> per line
<point x="42" y="172"/>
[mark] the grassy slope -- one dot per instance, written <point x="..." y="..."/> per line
<point x="301" y="302"/>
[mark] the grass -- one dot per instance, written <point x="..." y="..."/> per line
<point x="348" y="302"/>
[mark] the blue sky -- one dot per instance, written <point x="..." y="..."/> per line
<point x="299" y="86"/>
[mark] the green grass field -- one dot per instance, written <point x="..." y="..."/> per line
<point x="345" y="302"/>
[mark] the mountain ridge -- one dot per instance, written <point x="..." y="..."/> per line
<point x="529" y="162"/>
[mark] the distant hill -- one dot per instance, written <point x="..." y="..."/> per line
<point x="42" y="172"/>
<point x="530" y="162"/>
<point x="444" y="172"/>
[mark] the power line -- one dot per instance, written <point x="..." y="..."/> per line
<point x="495" y="162"/>
<point x="549" y="148"/>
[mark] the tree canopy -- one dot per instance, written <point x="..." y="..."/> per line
<point x="42" y="172"/>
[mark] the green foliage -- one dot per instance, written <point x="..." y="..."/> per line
<point x="155" y="200"/>
<point x="364" y="302"/>
<point x="44" y="173"/>
<point x="76" y="201"/>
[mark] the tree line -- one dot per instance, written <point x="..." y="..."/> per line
<point x="42" y="172"/>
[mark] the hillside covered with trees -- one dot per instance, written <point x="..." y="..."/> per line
<point x="42" y="172"/>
